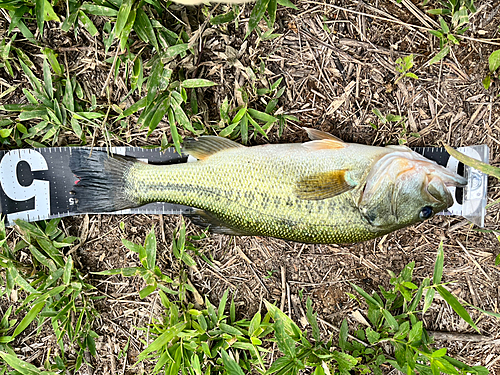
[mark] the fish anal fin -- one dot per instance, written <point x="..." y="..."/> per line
<point x="317" y="135"/>
<point x="323" y="185"/>
<point x="205" y="219"/>
<point x="204" y="147"/>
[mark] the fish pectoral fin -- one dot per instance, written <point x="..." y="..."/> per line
<point x="317" y="135"/>
<point x="323" y="185"/>
<point x="205" y="219"/>
<point x="203" y="147"/>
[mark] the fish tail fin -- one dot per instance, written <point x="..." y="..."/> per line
<point x="102" y="184"/>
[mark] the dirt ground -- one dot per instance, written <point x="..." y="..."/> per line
<point x="337" y="61"/>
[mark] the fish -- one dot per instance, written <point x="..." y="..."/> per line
<point x="320" y="191"/>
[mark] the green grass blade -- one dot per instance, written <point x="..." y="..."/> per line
<point x="222" y="305"/>
<point x="438" y="267"/>
<point x="30" y="316"/>
<point x="271" y="10"/>
<point x="47" y="79"/>
<point x="122" y="17"/>
<point x="150" y="246"/>
<point x="287" y="3"/>
<point x="230" y="364"/>
<point x="197" y="82"/>
<point x="476" y="164"/>
<point x="40" y="14"/>
<point x="258" y="11"/>
<point x="162" y="340"/>
<point x="366" y="296"/>
<point x="173" y="131"/>
<point x="440" y="55"/>
<point x="68" y="267"/>
<point x="456" y="306"/>
<point x="144" y="29"/>
<point x="87" y="23"/>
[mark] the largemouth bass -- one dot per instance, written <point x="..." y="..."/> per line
<point x="321" y="191"/>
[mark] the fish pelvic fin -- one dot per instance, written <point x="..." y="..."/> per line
<point x="205" y="219"/>
<point x="102" y="181"/>
<point x="323" y="185"/>
<point x="204" y="147"/>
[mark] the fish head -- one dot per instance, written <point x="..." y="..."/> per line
<point x="403" y="188"/>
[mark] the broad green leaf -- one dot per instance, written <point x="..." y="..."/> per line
<point x="456" y="306"/>
<point x="403" y="330"/>
<point x="230" y="365"/>
<point x="290" y="327"/>
<point x="254" y="324"/>
<point x="244" y="129"/>
<point x="4" y="133"/>
<point x="416" y="332"/>
<point x="21" y="366"/>
<point x="28" y="318"/>
<point x="271" y="11"/>
<point x="223" y="18"/>
<point x="126" y="31"/>
<point x="343" y="334"/>
<point x="98" y="10"/>
<point x="175" y="50"/>
<point x="258" y="11"/>
<point x="146" y="291"/>
<point x="34" y="82"/>
<point x="372" y="335"/>
<point x="439" y="353"/>
<point x="285" y="342"/>
<point x="390" y="319"/>
<point x="163" y="340"/>
<point x="494" y="60"/>
<point x="287" y="3"/>
<point x="444" y="25"/>
<point x="229" y="329"/>
<point x="87" y="23"/>
<point x="440" y="55"/>
<point x="40" y="14"/>
<point x="122" y="17"/>
<point x="47" y="79"/>
<point x="158" y="114"/>
<point x="173" y="131"/>
<point x="144" y="29"/>
<point x="197" y="82"/>
<point x="261" y="115"/>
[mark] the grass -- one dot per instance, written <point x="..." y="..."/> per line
<point x="48" y="291"/>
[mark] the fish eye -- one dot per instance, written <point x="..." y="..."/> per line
<point x="425" y="212"/>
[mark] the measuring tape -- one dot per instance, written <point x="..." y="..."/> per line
<point x="35" y="184"/>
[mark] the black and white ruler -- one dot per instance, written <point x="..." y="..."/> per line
<point x="35" y="183"/>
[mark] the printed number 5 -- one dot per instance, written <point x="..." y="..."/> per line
<point x="38" y="189"/>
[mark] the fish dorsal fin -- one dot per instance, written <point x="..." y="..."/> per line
<point x="324" y="144"/>
<point x="322" y="141"/>
<point x="317" y="135"/>
<point x="323" y="185"/>
<point x="206" y="146"/>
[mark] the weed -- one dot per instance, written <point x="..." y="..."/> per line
<point x="394" y="318"/>
<point x="459" y="12"/>
<point x="398" y="120"/>
<point x="494" y="64"/>
<point x="247" y="118"/>
<point x="52" y="105"/>
<point x="403" y="66"/>
<point x="54" y="289"/>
